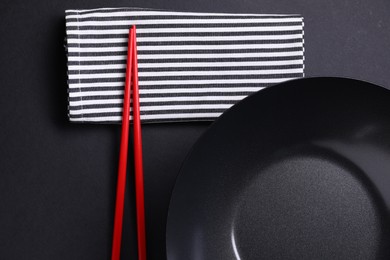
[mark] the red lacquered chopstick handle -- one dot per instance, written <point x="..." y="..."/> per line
<point x="121" y="185"/>
<point x="139" y="175"/>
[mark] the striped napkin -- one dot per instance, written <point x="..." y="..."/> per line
<point x="192" y="66"/>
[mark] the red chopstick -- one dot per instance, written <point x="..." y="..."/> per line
<point x="121" y="185"/>
<point x="139" y="174"/>
<point x="131" y="70"/>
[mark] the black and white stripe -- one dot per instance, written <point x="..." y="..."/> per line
<point x="192" y="66"/>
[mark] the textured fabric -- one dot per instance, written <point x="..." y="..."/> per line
<point x="192" y="66"/>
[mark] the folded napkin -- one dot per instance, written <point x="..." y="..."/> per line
<point x="192" y="66"/>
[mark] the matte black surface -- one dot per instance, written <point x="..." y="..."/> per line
<point x="300" y="170"/>
<point x="57" y="179"/>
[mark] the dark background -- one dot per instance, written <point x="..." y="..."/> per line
<point x="58" y="179"/>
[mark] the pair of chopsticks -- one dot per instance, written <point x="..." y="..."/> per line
<point x="131" y="74"/>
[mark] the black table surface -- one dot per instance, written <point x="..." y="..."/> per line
<point x="58" y="179"/>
